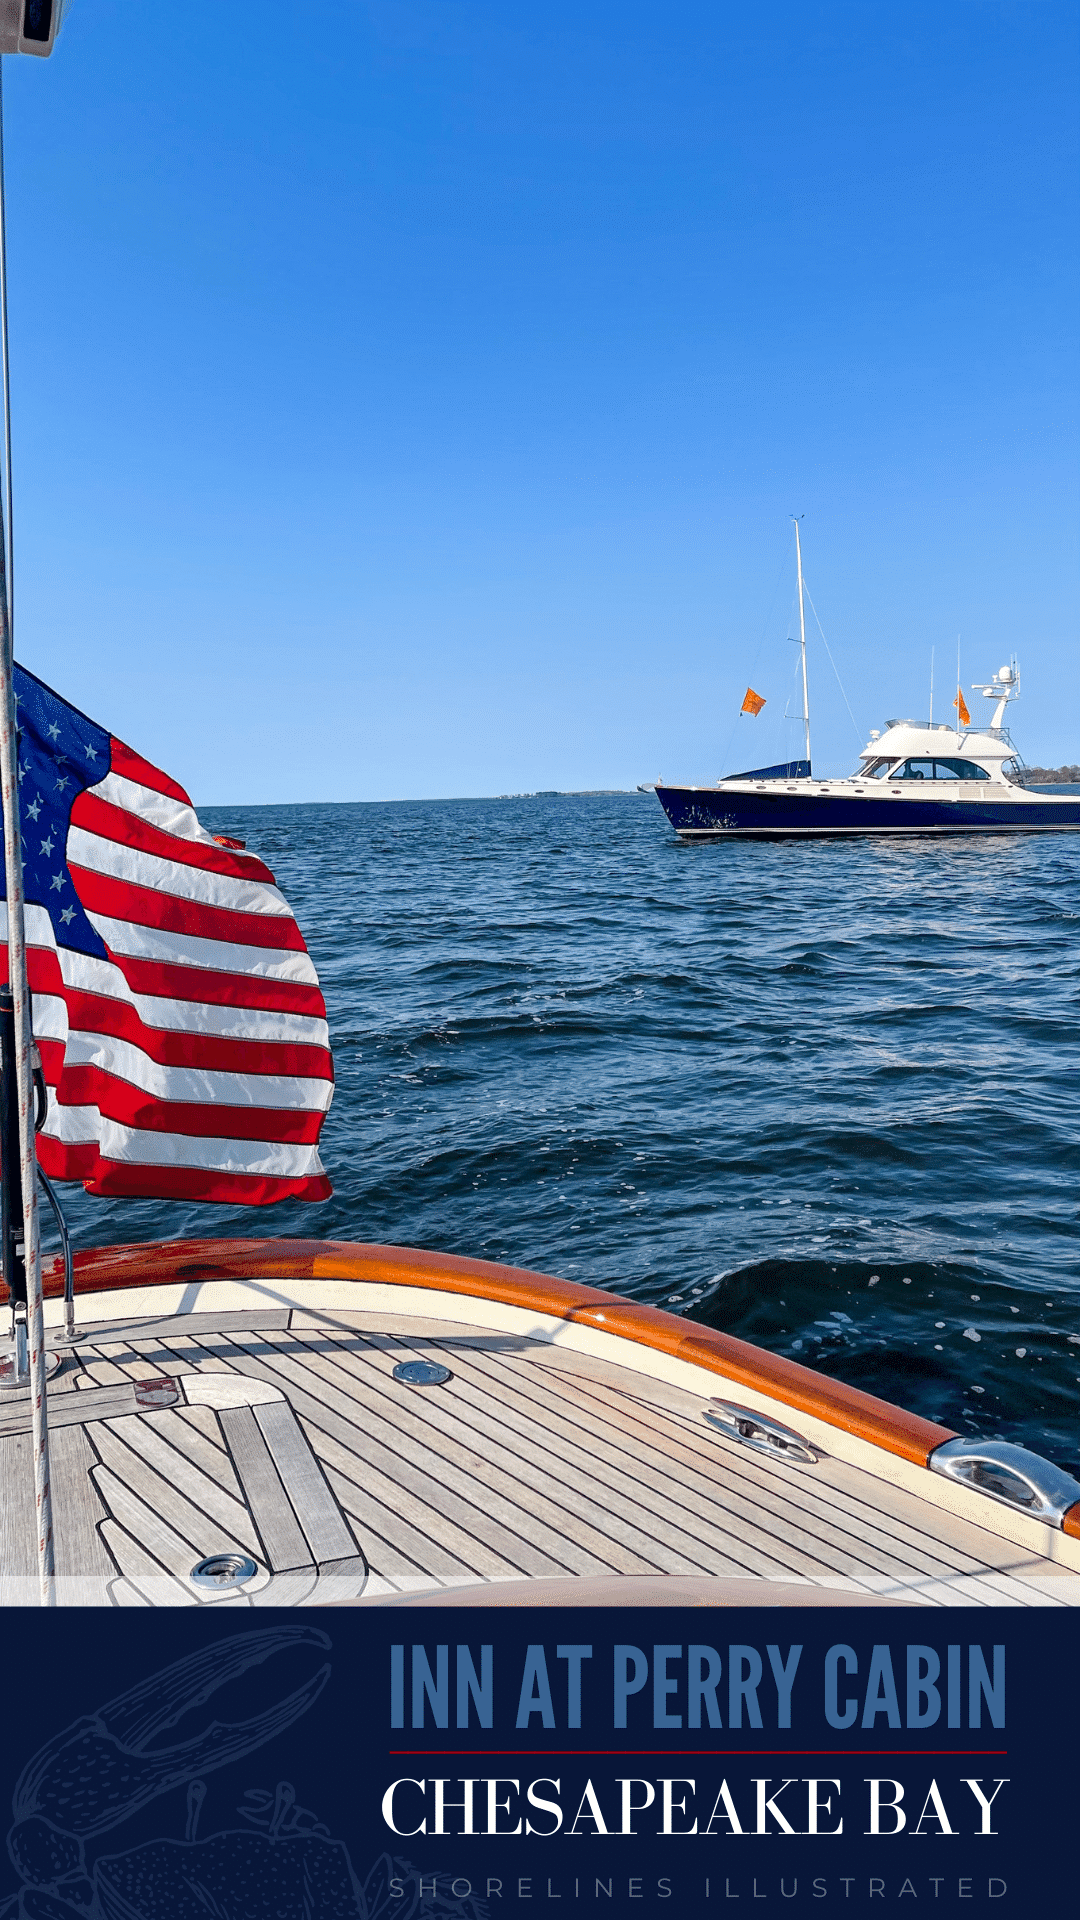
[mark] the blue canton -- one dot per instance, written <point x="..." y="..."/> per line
<point x="61" y="753"/>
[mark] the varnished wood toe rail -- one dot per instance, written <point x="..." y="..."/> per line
<point x="161" y="1263"/>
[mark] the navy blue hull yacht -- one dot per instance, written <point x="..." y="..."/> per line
<point x="916" y="777"/>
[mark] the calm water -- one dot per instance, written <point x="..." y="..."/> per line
<point x="821" y="1095"/>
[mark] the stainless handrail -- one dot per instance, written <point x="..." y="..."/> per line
<point x="68" y="1335"/>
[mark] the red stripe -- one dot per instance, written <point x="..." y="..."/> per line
<point x="175" y="982"/>
<point x="63" y="1162"/>
<point x="133" y="767"/>
<point x="215" y="1053"/>
<point x="147" y="907"/>
<point x="87" y="1085"/>
<point x="169" y="981"/>
<point x="129" y="829"/>
<point x="42" y="968"/>
<point x="52" y="1060"/>
<point x="113" y="1177"/>
<point x="171" y="1183"/>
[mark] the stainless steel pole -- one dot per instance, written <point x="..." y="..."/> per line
<point x="20" y="987"/>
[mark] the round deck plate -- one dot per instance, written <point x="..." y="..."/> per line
<point x="8" y="1382"/>
<point x="422" y="1373"/>
<point x="223" y="1571"/>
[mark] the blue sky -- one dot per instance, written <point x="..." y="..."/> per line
<point x="414" y="404"/>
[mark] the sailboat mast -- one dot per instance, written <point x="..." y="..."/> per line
<point x="802" y="643"/>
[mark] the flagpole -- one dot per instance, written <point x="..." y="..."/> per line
<point x="20" y="987"/>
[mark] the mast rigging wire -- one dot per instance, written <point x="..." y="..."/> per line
<point x="858" y="731"/>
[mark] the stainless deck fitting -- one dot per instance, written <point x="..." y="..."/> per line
<point x="1010" y="1474"/>
<point x="156" y="1393"/>
<point x="758" y="1431"/>
<point x="222" y="1571"/>
<point x="422" y="1373"/>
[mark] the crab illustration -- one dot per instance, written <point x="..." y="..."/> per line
<point x="282" y="1865"/>
<point x="103" y="1768"/>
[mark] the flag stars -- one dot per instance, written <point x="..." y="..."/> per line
<point x="47" y="847"/>
<point x="34" y="809"/>
<point x="62" y="782"/>
<point x="90" y="751"/>
<point x="67" y="916"/>
<point x="57" y="883"/>
<point x="53" y="731"/>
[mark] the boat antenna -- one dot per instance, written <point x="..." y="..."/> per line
<point x="959" y="695"/>
<point x="931" y="686"/>
<point x="802" y="642"/>
<point x="28" y="1361"/>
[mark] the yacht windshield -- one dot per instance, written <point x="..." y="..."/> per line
<point x="872" y="770"/>
<point x="940" y="770"/>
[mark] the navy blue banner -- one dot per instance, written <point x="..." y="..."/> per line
<point x="383" y="1764"/>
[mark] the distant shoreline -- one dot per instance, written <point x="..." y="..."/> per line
<point x="1053" y="776"/>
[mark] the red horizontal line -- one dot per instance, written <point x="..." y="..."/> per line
<point x="128" y="829"/>
<point x="129" y="1106"/>
<point x="131" y="765"/>
<point x="694" y="1753"/>
<point x="112" y="1178"/>
<point x="151" y="907"/>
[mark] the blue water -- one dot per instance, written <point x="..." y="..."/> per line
<point x="822" y="1095"/>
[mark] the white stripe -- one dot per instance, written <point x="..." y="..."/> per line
<point x="88" y="974"/>
<point x="72" y="1126"/>
<point x="160" y="809"/>
<point x="195" y="1085"/>
<point x="273" y="1158"/>
<point x="188" y="950"/>
<point x="50" y="1017"/>
<point x="38" y="926"/>
<point x="122" y="862"/>
<point x="141" y="1146"/>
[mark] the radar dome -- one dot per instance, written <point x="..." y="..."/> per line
<point x="1006" y="674"/>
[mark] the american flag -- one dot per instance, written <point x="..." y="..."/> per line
<point x="181" y="1026"/>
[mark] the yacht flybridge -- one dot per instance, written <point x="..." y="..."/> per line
<point x="918" y="776"/>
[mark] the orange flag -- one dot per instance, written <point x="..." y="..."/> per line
<point x="753" y="702"/>
<point x="961" y="707"/>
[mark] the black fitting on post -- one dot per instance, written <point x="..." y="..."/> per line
<point x="11" y="1196"/>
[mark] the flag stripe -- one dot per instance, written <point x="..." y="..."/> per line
<point x="133" y="767"/>
<point x="104" y="1097"/>
<point x="145" y="805"/>
<point x="234" y="1007"/>
<point x="200" y="982"/>
<point x="142" y="906"/>
<point x="190" y="1183"/>
<point x="93" y="853"/>
<point x="227" y="1053"/>
<point x="111" y="822"/>
<point x="132" y="1064"/>
<point x="188" y="950"/>
<point x="138" y="1146"/>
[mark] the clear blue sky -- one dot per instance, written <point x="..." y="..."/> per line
<point x="413" y="404"/>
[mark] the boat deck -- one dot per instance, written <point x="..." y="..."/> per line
<point x="279" y="1432"/>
